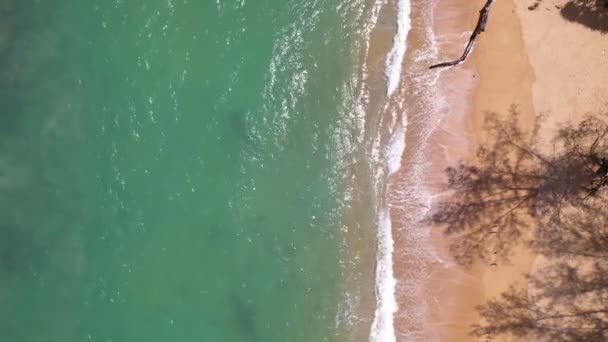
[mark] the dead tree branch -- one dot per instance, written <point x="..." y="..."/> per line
<point x="481" y="27"/>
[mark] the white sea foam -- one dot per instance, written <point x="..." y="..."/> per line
<point x="383" y="326"/>
<point x="386" y="306"/>
<point x="366" y="32"/>
<point x="394" y="58"/>
<point x="383" y="329"/>
<point x="396" y="146"/>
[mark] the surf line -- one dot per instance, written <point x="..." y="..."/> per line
<point x="382" y="329"/>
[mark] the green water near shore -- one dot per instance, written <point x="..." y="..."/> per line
<point x="172" y="170"/>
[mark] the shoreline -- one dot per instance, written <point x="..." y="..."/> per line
<point x="442" y="115"/>
<point x="443" y="111"/>
<point x="372" y="320"/>
<point x="424" y="114"/>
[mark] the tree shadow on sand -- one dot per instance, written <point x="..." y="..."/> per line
<point x="591" y="13"/>
<point x="555" y="203"/>
<point x="493" y="205"/>
<point x="566" y="299"/>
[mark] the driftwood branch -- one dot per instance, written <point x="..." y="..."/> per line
<point x="481" y="27"/>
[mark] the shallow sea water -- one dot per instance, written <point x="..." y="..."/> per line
<point x="173" y="170"/>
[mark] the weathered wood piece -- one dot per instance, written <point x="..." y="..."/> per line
<point x="481" y="27"/>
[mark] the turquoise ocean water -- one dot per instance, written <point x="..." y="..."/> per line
<point x="175" y="170"/>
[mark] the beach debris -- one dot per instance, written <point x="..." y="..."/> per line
<point x="535" y="6"/>
<point x="479" y="28"/>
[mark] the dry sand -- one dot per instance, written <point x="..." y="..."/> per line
<point x="542" y="63"/>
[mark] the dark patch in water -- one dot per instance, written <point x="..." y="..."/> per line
<point x="214" y="232"/>
<point x="261" y="218"/>
<point x="241" y="130"/>
<point x="235" y="135"/>
<point x="238" y="123"/>
<point x="16" y="252"/>
<point x="243" y="315"/>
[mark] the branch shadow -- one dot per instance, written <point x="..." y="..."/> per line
<point x="565" y="299"/>
<point x="493" y="204"/>
<point x="567" y="304"/>
<point x="552" y="201"/>
<point x="590" y="13"/>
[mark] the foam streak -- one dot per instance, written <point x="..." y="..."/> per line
<point x="394" y="58"/>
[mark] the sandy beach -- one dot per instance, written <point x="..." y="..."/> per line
<point x="537" y="61"/>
